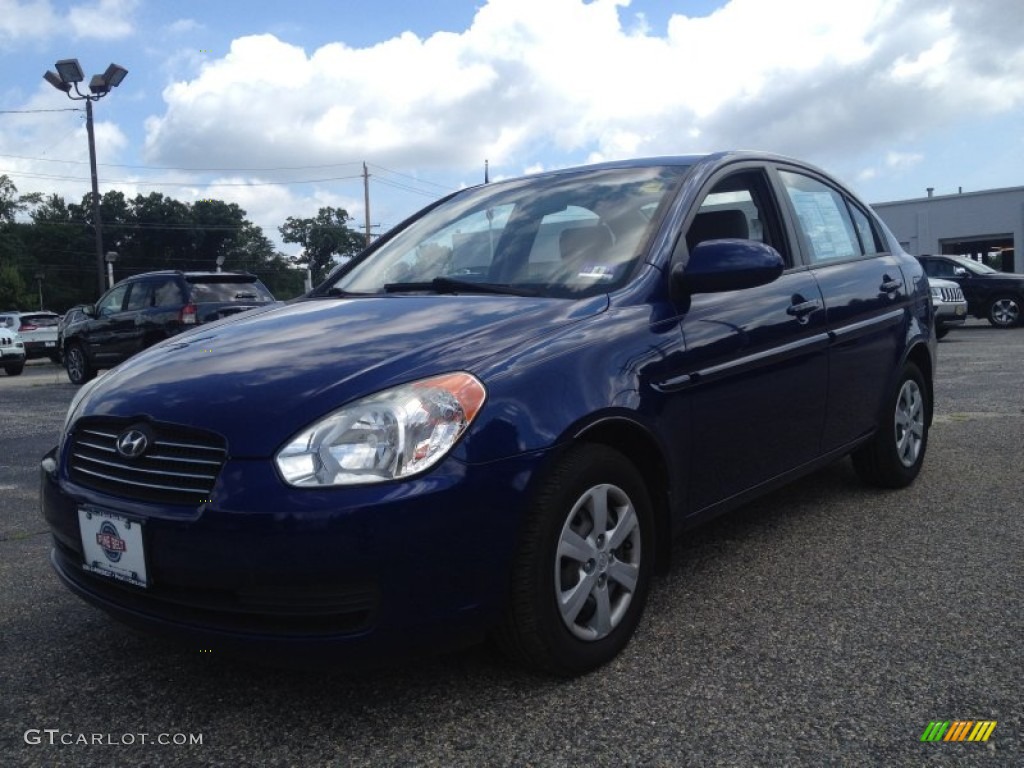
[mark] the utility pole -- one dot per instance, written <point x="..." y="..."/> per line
<point x="366" y="201"/>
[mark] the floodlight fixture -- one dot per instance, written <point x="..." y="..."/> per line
<point x="98" y="85"/>
<point x="114" y="75"/>
<point x="70" y="71"/>
<point x="54" y="79"/>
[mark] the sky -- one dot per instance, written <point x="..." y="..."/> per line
<point x="276" y="106"/>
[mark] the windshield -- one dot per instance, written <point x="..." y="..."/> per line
<point x="569" y="235"/>
<point x="974" y="266"/>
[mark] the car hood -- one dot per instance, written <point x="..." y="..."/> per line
<point x="258" y="378"/>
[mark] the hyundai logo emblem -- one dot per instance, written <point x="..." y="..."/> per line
<point x="132" y="443"/>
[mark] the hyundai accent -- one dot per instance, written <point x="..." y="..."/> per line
<point x="494" y="421"/>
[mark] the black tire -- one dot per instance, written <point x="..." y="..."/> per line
<point x="541" y="632"/>
<point x="940" y="333"/>
<point x="893" y="457"/>
<point x="15" y="369"/>
<point x="76" y="363"/>
<point x="1004" y="311"/>
<point x="55" y="357"/>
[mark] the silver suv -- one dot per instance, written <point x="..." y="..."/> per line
<point x="38" y="330"/>
<point x="12" y="352"/>
<point x="950" y="305"/>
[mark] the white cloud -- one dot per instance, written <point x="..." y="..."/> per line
<point x="103" y="20"/>
<point x="184" y="26"/>
<point x="530" y="75"/>
<point x="26" y="20"/>
<point x="903" y="160"/>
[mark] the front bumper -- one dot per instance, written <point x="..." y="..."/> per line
<point x="11" y="355"/>
<point x="950" y="314"/>
<point x="345" y="573"/>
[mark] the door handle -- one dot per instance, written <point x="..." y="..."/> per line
<point x="803" y="311"/>
<point x="890" y="286"/>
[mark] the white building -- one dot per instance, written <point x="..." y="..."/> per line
<point x="986" y="225"/>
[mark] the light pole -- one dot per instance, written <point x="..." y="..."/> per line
<point x="39" y="279"/>
<point x="110" y="258"/>
<point x="68" y="75"/>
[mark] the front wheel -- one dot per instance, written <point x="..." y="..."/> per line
<point x="1004" y="312"/>
<point x="14" y="369"/>
<point x="583" y="570"/>
<point x="895" y="454"/>
<point x="77" y="365"/>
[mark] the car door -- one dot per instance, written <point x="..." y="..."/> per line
<point x="866" y="300"/>
<point x="105" y="332"/>
<point x="756" y="359"/>
<point x="135" y="318"/>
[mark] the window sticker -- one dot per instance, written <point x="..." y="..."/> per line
<point x="596" y="272"/>
<point x="823" y="223"/>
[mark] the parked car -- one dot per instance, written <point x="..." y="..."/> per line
<point x="495" y="419"/>
<point x="950" y="305"/>
<point x="73" y="316"/>
<point x="991" y="294"/>
<point x="38" y="331"/>
<point x="142" y="310"/>
<point x="12" y="352"/>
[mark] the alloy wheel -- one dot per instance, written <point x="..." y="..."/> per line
<point x="909" y="423"/>
<point x="597" y="565"/>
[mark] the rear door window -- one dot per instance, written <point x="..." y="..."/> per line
<point x="824" y="218"/>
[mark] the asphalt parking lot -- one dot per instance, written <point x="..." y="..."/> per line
<point x="827" y="624"/>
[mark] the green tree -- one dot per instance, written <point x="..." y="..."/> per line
<point x="322" y="239"/>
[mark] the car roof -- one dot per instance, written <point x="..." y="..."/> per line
<point x="191" y="275"/>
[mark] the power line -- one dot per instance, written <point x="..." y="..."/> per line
<point x="192" y="170"/>
<point x="145" y="183"/>
<point x="35" y="111"/>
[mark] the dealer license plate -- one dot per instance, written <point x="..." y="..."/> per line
<point x="112" y="545"/>
<point x="51" y="343"/>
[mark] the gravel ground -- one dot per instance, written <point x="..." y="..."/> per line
<point x="826" y="624"/>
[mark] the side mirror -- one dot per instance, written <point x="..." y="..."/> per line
<point x="89" y="310"/>
<point x="715" y="266"/>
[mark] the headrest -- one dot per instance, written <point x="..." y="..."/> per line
<point x="584" y="241"/>
<point x="718" y="225"/>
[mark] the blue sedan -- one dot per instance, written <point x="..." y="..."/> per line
<point x="494" y="421"/>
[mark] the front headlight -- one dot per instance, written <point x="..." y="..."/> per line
<point x="936" y="292"/>
<point x="390" y="435"/>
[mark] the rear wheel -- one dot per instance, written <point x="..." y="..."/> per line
<point x="1004" y="311"/>
<point x="14" y="369"/>
<point x="77" y="365"/>
<point x="582" y="574"/>
<point x="894" y="456"/>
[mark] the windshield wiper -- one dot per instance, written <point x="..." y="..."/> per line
<point x="451" y="285"/>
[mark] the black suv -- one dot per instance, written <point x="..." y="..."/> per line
<point x="140" y="311"/>
<point x="991" y="294"/>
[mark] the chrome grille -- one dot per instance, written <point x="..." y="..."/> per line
<point x="952" y="294"/>
<point x="179" y="466"/>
